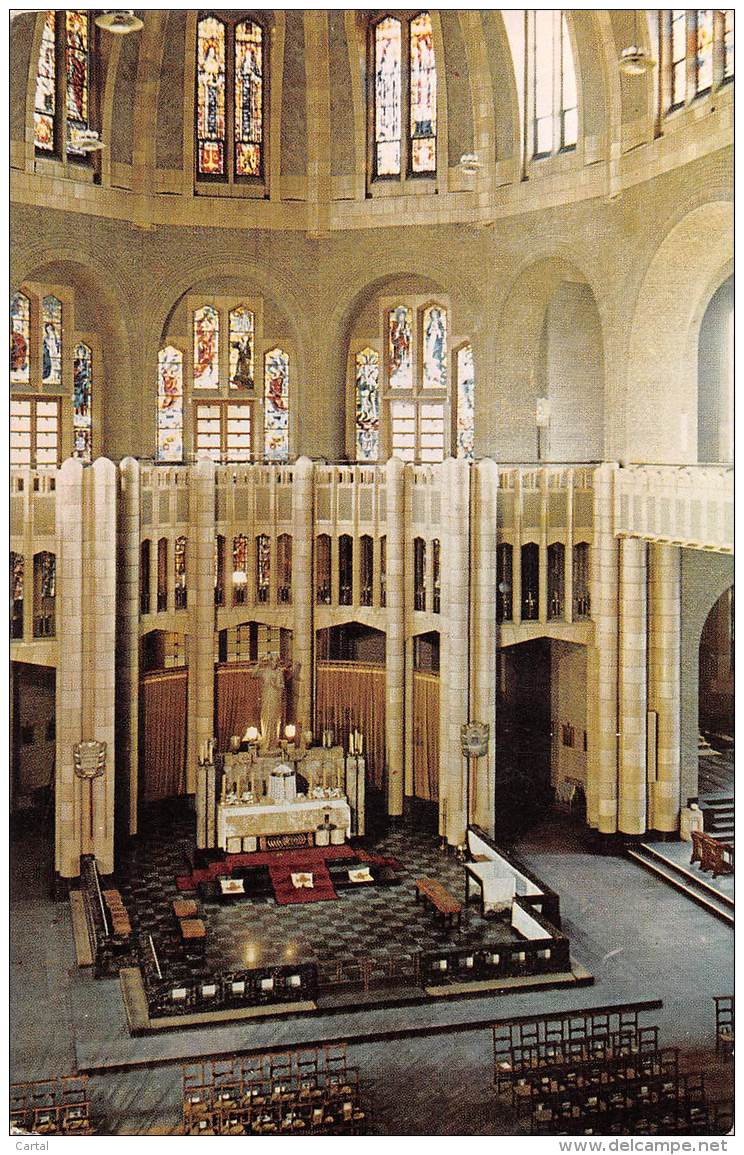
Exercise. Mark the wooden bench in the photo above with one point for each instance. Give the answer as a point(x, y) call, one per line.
point(185, 908)
point(193, 935)
point(440, 900)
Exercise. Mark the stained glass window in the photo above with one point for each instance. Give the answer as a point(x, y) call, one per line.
point(403, 423)
point(211, 97)
point(179, 558)
point(728, 43)
point(703, 49)
point(263, 567)
point(276, 405)
point(206, 348)
point(400, 357)
point(367, 405)
point(76, 74)
point(678, 55)
point(82, 411)
point(240, 569)
point(170, 404)
point(248, 99)
point(16, 595)
point(51, 349)
point(209, 431)
point(238, 432)
point(465, 403)
point(423, 99)
point(388, 117)
point(554, 93)
point(241, 348)
point(20, 339)
point(46, 78)
point(435, 348)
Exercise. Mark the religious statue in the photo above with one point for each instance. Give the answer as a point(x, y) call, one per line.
point(274, 676)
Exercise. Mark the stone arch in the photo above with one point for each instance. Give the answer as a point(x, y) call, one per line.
point(519, 350)
point(661, 389)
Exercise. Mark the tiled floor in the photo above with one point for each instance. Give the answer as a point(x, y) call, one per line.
point(381, 923)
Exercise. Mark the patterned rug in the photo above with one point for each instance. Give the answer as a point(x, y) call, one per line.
point(315, 872)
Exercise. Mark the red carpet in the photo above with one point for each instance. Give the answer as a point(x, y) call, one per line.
point(286, 892)
point(304, 859)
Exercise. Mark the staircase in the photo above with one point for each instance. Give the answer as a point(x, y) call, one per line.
point(688, 880)
point(718, 818)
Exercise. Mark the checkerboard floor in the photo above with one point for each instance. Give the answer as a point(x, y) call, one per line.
point(385, 924)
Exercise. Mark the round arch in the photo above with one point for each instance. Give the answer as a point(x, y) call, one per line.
point(661, 395)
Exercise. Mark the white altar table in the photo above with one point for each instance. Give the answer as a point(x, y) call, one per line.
point(262, 819)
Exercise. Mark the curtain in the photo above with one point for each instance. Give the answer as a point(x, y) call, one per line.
point(350, 696)
point(164, 696)
point(426, 735)
point(237, 701)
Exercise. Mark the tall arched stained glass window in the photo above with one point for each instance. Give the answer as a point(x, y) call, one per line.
point(697, 52)
point(423, 97)
point(465, 403)
point(170, 404)
point(210, 81)
point(435, 347)
point(551, 75)
point(20, 339)
point(388, 97)
point(82, 410)
point(51, 341)
point(276, 405)
point(45, 101)
point(367, 378)
point(206, 348)
point(400, 355)
point(76, 75)
point(703, 50)
point(248, 99)
point(241, 348)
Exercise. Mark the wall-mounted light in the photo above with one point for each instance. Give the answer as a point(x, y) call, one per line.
point(634, 61)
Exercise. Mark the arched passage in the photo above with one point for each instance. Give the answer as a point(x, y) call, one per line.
point(163, 715)
point(548, 397)
point(662, 385)
point(716, 377)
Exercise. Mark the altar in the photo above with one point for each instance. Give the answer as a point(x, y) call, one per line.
point(275, 801)
point(269, 825)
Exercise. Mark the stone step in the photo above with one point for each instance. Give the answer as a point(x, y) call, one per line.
point(694, 887)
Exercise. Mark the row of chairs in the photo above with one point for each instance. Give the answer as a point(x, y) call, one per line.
point(559, 1030)
point(713, 856)
point(59, 1106)
point(660, 1105)
point(311, 1091)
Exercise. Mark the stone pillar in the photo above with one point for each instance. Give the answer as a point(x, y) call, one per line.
point(200, 571)
point(127, 647)
point(455, 649)
point(396, 634)
point(632, 697)
point(664, 683)
point(302, 589)
point(68, 797)
point(485, 481)
point(601, 784)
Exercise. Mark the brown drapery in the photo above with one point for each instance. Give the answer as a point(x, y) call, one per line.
point(164, 697)
point(349, 696)
point(237, 701)
point(426, 735)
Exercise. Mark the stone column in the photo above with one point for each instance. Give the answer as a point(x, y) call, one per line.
point(455, 648)
point(664, 683)
point(632, 698)
point(601, 785)
point(200, 571)
point(396, 635)
point(302, 588)
point(70, 673)
point(127, 648)
point(485, 480)
point(100, 641)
